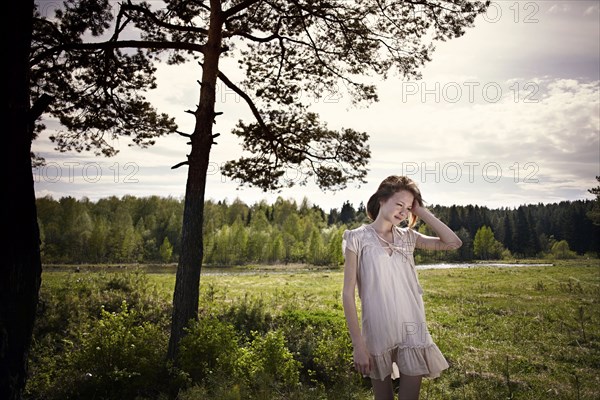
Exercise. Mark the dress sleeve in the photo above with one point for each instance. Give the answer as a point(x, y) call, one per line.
point(349, 241)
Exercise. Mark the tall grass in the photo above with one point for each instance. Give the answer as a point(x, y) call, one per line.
point(508, 333)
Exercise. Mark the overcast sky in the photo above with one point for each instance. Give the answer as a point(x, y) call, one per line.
point(506, 115)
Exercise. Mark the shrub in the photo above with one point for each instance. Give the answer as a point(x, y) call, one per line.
point(250, 315)
point(209, 350)
point(268, 364)
point(561, 251)
point(333, 359)
point(81, 311)
point(303, 330)
point(116, 356)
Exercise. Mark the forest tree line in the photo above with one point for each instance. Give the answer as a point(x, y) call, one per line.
point(148, 230)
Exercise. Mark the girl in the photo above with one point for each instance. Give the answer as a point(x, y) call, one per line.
point(394, 341)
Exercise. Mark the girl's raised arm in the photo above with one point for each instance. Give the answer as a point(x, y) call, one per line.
point(447, 239)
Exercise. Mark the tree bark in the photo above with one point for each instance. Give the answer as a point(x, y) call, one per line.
point(187, 281)
point(20, 276)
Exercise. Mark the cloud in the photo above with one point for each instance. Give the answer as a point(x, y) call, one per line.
point(553, 135)
point(505, 115)
point(503, 152)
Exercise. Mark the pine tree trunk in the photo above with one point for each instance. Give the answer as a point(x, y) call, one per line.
point(187, 283)
point(20, 276)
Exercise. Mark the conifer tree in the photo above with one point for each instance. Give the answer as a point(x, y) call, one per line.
point(594, 213)
point(348, 213)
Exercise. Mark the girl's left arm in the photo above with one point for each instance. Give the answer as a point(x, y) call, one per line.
point(446, 240)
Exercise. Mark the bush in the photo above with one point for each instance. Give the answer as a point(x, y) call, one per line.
point(333, 359)
point(561, 251)
point(304, 330)
point(104, 336)
point(115, 356)
point(83, 312)
point(267, 364)
point(250, 315)
point(321, 343)
point(209, 350)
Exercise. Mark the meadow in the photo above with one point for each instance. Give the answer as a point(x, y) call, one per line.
point(529, 332)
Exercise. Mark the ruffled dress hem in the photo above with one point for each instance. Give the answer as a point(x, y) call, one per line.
point(427, 362)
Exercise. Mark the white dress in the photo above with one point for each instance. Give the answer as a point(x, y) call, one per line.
point(392, 310)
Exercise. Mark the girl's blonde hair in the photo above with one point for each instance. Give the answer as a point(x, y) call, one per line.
point(390, 186)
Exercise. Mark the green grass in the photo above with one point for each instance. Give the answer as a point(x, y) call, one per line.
point(525, 332)
point(508, 333)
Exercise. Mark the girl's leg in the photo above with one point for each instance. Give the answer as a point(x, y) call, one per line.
point(383, 390)
point(409, 387)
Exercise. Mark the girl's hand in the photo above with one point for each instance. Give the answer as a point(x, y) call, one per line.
point(417, 209)
point(362, 360)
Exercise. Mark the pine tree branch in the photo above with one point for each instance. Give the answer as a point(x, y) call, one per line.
point(246, 98)
point(274, 141)
point(140, 44)
point(40, 106)
point(150, 15)
point(238, 7)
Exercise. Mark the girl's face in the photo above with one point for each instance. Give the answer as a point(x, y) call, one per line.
point(397, 208)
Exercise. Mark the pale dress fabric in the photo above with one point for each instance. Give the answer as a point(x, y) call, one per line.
point(392, 310)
